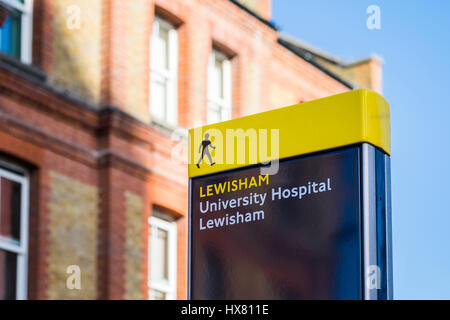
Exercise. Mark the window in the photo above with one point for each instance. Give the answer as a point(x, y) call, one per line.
point(163, 77)
point(13, 233)
point(219, 88)
point(16, 28)
point(162, 258)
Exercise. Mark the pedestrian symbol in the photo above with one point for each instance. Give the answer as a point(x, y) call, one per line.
point(205, 151)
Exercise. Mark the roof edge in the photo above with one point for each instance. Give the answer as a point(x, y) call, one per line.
point(302, 44)
point(328, 56)
point(329, 73)
point(254, 14)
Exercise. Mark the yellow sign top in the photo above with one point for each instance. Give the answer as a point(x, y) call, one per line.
point(344, 119)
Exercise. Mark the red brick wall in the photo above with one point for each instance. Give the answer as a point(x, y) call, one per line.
point(118, 149)
point(260, 65)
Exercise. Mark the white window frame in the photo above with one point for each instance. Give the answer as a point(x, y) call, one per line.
point(21, 249)
point(225, 107)
point(26, 37)
point(168, 75)
point(169, 287)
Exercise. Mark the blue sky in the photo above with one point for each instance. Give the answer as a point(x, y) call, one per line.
point(414, 42)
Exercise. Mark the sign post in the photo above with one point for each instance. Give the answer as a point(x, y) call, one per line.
point(293, 203)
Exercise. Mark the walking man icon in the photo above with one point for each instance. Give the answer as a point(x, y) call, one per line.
point(204, 150)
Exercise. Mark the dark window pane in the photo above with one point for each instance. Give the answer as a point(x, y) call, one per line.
point(16, 26)
point(8, 269)
point(9, 209)
point(10, 34)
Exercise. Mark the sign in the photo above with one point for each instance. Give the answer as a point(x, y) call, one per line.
point(317, 228)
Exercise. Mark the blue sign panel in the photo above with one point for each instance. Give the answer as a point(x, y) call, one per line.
point(292, 235)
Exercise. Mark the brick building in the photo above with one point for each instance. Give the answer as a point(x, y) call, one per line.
point(92, 94)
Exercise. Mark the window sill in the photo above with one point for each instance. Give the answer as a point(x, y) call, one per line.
point(169, 128)
point(19, 67)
